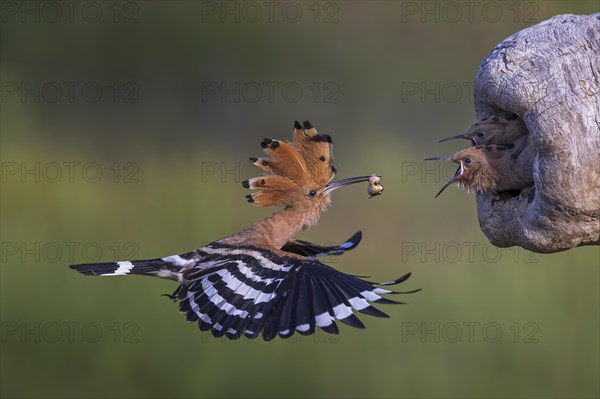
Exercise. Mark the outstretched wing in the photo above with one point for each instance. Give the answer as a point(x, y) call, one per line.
point(309, 249)
point(251, 292)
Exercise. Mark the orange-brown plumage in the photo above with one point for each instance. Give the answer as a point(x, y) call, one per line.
point(299, 178)
point(260, 281)
point(492, 167)
point(283, 159)
point(316, 149)
point(494, 130)
point(500, 158)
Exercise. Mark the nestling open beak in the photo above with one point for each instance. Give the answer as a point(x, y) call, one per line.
point(453, 178)
point(335, 184)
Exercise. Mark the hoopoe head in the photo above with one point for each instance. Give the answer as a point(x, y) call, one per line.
point(494, 130)
point(478, 166)
point(299, 174)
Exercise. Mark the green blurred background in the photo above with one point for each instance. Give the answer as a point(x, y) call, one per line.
point(124, 136)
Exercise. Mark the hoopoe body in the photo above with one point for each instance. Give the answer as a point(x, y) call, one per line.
point(491, 167)
point(262, 280)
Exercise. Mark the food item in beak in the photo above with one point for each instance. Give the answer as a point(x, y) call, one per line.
point(375, 188)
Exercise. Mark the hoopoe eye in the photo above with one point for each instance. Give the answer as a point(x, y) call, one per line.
point(312, 193)
point(467, 161)
point(479, 134)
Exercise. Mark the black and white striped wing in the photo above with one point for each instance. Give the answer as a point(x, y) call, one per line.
point(311, 250)
point(250, 291)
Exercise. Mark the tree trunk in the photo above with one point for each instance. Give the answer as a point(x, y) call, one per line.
point(549, 75)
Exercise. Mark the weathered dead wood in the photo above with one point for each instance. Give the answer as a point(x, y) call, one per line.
point(549, 75)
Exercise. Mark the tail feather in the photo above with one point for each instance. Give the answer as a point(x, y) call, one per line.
point(150, 267)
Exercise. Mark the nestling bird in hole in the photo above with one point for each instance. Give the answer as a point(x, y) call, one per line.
point(488, 168)
point(261, 280)
point(500, 158)
point(494, 130)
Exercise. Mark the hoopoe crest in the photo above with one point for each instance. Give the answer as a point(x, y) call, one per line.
point(261, 280)
point(298, 173)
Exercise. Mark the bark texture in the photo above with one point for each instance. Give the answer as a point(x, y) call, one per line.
point(549, 75)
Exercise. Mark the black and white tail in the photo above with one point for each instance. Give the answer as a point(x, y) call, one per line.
point(151, 267)
point(171, 266)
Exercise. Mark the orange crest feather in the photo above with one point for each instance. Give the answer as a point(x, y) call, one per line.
point(293, 168)
point(317, 152)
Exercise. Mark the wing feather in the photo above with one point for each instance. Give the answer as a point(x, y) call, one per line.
point(256, 292)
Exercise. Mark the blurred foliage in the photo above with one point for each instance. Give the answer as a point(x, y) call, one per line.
point(171, 164)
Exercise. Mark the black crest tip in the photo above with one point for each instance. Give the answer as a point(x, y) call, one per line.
point(265, 143)
point(252, 159)
point(297, 125)
point(324, 138)
point(246, 184)
point(307, 125)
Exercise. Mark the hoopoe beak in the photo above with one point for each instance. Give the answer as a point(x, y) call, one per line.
point(458, 136)
point(335, 184)
point(453, 178)
point(448, 158)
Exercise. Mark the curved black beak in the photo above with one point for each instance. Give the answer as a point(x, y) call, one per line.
point(449, 182)
point(335, 184)
point(448, 158)
point(458, 136)
point(453, 178)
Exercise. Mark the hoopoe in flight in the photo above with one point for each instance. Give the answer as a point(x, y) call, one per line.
point(261, 280)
